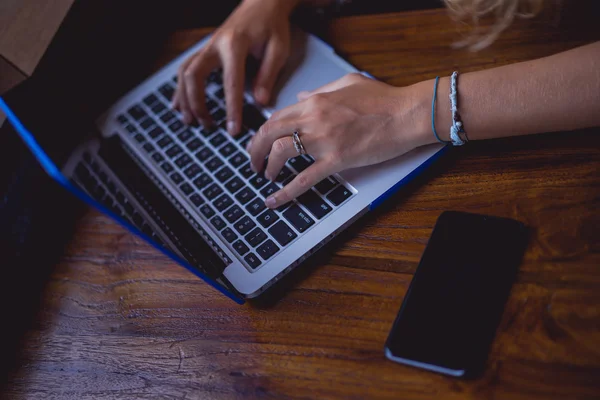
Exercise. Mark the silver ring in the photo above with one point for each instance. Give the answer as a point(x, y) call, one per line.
point(298, 143)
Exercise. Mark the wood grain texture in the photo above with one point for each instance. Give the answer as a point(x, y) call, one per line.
point(118, 320)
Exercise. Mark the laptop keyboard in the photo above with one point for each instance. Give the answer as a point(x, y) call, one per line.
point(212, 171)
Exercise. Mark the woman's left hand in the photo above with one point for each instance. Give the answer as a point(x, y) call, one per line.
point(352, 122)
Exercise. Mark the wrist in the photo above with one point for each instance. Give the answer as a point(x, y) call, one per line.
point(422, 97)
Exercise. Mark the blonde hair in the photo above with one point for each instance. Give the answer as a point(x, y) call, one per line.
point(501, 12)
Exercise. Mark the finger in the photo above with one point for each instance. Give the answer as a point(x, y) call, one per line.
point(300, 184)
point(179, 101)
point(275, 56)
point(344, 81)
point(233, 56)
point(283, 149)
point(261, 143)
point(195, 78)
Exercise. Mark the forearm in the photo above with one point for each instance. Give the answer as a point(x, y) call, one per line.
point(556, 93)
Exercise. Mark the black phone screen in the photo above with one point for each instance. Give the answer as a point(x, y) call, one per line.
point(455, 301)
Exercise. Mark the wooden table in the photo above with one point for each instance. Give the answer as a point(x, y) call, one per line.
point(118, 320)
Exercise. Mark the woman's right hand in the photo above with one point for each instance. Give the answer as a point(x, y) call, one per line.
point(257, 27)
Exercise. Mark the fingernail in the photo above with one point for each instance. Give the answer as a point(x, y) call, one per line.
point(231, 127)
point(253, 168)
point(187, 118)
point(262, 95)
point(268, 176)
point(249, 146)
point(271, 202)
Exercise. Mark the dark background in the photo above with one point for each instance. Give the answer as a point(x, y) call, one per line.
point(103, 48)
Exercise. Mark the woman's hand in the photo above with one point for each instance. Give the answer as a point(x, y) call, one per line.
point(352, 122)
point(257, 27)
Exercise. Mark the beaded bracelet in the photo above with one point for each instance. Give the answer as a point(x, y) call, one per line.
point(457, 127)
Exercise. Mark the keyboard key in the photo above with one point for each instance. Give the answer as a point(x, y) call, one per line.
point(158, 157)
point(245, 195)
point(156, 132)
point(246, 171)
point(192, 170)
point(158, 108)
point(267, 218)
point(269, 190)
point(233, 214)
point(218, 114)
point(238, 159)
point(218, 140)
point(315, 204)
point(256, 237)
point(244, 225)
point(197, 199)
point(229, 235)
point(214, 163)
point(208, 131)
point(130, 128)
point(175, 177)
point(283, 174)
point(220, 94)
point(256, 206)
point(122, 119)
point(298, 218)
point(164, 142)
point(223, 202)
point(212, 191)
point(147, 123)
point(166, 167)
point(174, 151)
point(204, 154)
point(282, 233)
point(244, 143)
point(185, 135)
point(167, 91)
point(207, 211)
point(168, 116)
point(252, 117)
point(228, 149)
point(175, 126)
point(234, 185)
point(194, 144)
point(218, 223)
point(211, 104)
point(299, 163)
point(258, 181)
point(137, 112)
point(224, 174)
point(183, 160)
point(267, 249)
point(202, 181)
point(326, 185)
point(252, 261)
point(139, 137)
point(339, 195)
point(150, 99)
point(186, 188)
point(240, 247)
point(149, 148)
point(242, 135)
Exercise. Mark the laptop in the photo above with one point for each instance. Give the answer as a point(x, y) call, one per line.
point(189, 190)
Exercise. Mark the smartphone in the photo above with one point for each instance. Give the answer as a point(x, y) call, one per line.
point(449, 316)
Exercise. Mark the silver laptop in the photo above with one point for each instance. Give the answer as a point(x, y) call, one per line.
point(190, 190)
